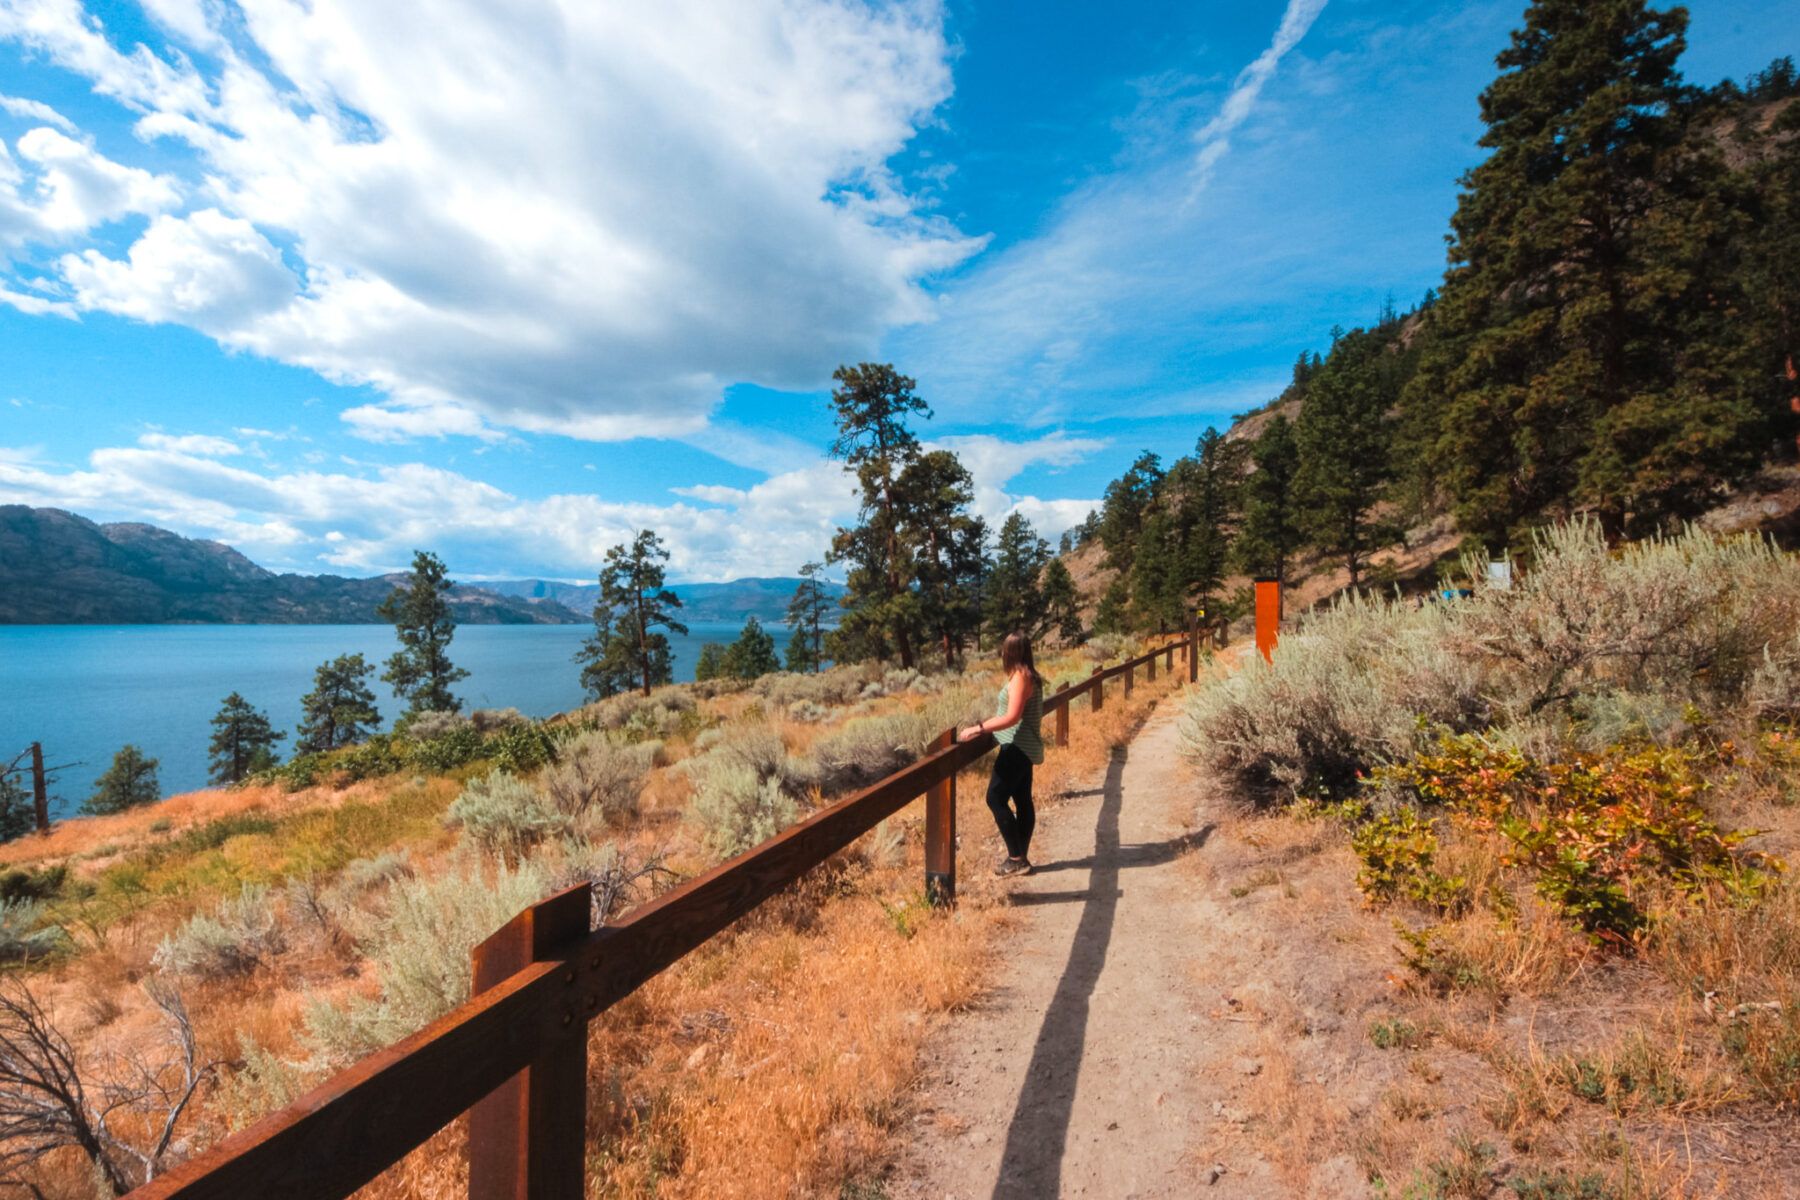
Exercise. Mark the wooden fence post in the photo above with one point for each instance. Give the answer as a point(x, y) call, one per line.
point(1193, 656)
point(1098, 690)
point(40, 796)
point(1130, 670)
point(940, 832)
point(1062, 718)
point(1169, 659)
point(528, 1137)
point(1150, 668)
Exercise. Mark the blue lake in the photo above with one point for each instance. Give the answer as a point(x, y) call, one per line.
point(85, 690)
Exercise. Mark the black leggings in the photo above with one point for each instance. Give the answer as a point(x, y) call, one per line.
point(1011, 780)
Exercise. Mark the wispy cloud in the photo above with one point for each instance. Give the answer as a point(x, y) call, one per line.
point(1093, 306)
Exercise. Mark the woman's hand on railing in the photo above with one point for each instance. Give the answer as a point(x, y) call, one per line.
point(970, 734)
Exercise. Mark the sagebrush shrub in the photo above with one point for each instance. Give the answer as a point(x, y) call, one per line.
point(504, 814)
point(1343, 695)
point(738, 808)
point(434, 723)
point(241, 934)
point(420, 952)
point(869, 749)
point(598, 778)
point(487, 720)
point(23, 934)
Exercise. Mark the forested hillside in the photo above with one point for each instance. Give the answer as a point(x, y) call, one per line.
point(1615, 335)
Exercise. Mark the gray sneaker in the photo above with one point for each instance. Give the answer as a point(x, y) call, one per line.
point(1013, 866)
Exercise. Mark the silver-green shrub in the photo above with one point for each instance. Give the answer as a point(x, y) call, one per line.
point(1588, 647)
point(486, 720)
point(241, 934)
point(23, 933)
point(738, 808)
point(419, 952)
point(433, 724)
point(869, 749)
point(505, 815)
point(596, 778)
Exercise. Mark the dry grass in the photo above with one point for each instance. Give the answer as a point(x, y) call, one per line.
point(775, 1061)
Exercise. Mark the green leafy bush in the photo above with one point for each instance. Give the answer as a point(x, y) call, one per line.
point(1397, 849)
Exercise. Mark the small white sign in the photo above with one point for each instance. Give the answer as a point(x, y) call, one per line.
point(1500, 573)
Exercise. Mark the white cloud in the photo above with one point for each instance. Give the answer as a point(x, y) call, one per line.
point(208, 270)
point(199, 444)
point(58, 189)
point(365, 519)
point(555, 216)
point(34, 110)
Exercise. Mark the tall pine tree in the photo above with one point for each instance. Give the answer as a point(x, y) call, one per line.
point(421, 672)
point(1270, 534)
point(1344, 438)
point(626, 648)
point(806, 616)
point(1014, 600)
point(872, 404)
point(1564, 364)
point(340, 709)
point(243, 741)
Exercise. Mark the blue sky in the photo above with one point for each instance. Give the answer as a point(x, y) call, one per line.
point(330, 281)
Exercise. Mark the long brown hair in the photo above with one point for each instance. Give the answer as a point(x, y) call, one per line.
point(1015, 652)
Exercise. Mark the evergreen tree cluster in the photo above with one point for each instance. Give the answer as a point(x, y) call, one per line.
point(1616, 334)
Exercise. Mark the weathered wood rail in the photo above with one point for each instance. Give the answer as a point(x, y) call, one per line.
point(514, 1056)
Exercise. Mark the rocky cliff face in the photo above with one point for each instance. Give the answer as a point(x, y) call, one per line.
point(57, 568)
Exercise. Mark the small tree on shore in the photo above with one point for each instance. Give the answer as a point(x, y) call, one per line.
point(18, 814)
point(711, 664)
point(625, 649)
point(243, 741)
point(753, 654)
point(130, 782)
point(806, 614)
point(340, 709)
point(420, 671)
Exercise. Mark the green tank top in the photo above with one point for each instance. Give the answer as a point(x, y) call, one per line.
point(1027, 735)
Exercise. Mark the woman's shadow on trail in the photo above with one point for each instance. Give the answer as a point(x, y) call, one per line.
point(1031, 1165)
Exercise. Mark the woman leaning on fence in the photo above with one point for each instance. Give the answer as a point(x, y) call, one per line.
point(1016, 726)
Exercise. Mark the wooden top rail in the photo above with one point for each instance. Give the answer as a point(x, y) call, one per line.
point(348, 1130)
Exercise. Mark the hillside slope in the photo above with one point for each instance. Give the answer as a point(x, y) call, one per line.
point(57, 568)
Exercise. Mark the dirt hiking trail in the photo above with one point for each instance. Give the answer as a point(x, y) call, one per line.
point(1136, 1041)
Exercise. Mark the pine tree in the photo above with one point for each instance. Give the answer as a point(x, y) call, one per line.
point(242, 743)
point(128, 783)
point(806, 616)
point(1570, 361)
point(18, 812)
point(1062, 604)
point(753, 654)
point(711, 663)
point(1343, 436)
point(872, 405)
point(625, 649)
point(1129, 501)
point(1270, 534)
point(1157, 588)
point(1114, 613)
point(420, 672)
point(1014, 600)
point(1206, 508)
point(933, 496)
point(340, 709)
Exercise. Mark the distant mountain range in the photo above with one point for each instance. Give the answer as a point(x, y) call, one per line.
point(60, 569)
point(57, 568)
point(765, 599)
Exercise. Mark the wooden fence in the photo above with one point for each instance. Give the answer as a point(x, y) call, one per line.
point(514, 1056)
